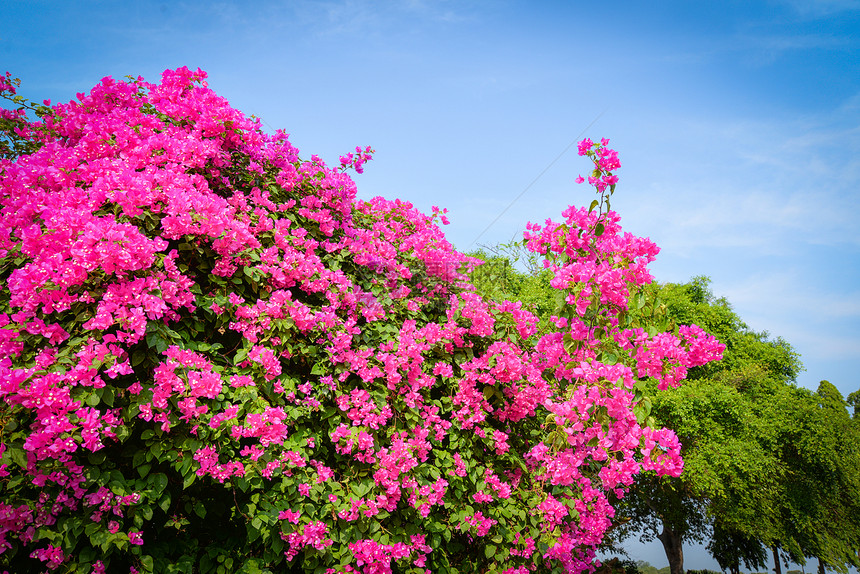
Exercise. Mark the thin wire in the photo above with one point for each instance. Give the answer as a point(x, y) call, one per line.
point(558, 157)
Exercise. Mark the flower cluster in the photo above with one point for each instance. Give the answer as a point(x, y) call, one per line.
point(356, 160)
point(605, 162)
point(200, 332)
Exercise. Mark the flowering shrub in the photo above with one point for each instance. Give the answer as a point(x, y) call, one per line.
point(214, 358)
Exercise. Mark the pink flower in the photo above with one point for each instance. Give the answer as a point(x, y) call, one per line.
point(289, 515)
point(481, 496)
point(585, 146)
point(135, 538)
point(53, 555)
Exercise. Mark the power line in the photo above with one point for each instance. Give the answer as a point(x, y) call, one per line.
point(558, 157)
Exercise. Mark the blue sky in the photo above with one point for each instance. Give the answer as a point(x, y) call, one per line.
point(737, 122)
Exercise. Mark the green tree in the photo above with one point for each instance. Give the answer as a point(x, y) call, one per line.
point(728, 418)
point(820, 491)
point(830, 399)
point(853, 400)
point(727, 476)
point(722, 416)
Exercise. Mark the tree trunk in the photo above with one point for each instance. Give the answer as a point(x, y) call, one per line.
point(777, 567)
point(820, 566)
point(672, 544)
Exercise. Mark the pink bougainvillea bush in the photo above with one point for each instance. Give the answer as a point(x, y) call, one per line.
point(215, 358)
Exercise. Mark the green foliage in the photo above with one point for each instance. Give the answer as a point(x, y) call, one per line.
point(645, 567)
point(764, 458)
point(853, 399)
point(694, 303)
point(619, 566)
point(830, 399)
point(819, 499)
point(766, 463)
point(509, 272)
point(16, 131)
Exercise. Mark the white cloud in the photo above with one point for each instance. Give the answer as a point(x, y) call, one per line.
point(766, 185)
point(822, 323)
point(788, 293)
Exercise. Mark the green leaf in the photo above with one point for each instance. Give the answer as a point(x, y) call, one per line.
point(137, 357)
point(489, 390)
point(17, 455)
point(646, 405)
point(188, 480)
point(159, 483)
point(96, 458)
point(320, 369)
point(146, 512)
point(363, 487)
point(206, 564)
point(599, 229)
point(164, 503)
point(156, 449)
